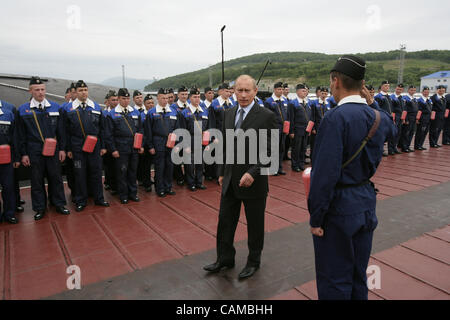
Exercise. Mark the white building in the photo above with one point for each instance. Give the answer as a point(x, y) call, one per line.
point(435, 79)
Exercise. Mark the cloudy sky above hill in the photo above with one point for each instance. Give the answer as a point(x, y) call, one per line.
point(92, 39)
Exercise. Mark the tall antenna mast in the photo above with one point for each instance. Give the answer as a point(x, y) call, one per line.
point(402, 63)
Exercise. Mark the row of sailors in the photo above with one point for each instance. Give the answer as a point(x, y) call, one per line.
point(42, 134)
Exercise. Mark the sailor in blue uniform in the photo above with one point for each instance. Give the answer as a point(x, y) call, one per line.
point(288, 143)
point(412, 108)
point(279, 106)
point(316, 117)
point(221, 103)
point(210, 169)
point(322, 102)
point(300, 114)
point(439, 105)
point(196, 120)
point(369, 94)
point(8, 136)
point(161, 121)
point(19, 202)
point(40, 119)
point(286, 91)
point(122, 124)
point(83, 118)
point(342, 199)
point(144, 162)
point(108, 161)
point(384, 101)
point(423, 124)
point(398, 106)
point(180, 106)
point(446, 134)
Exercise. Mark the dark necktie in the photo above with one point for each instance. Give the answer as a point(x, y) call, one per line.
point(240, 120)
point(184, 105)
point(40, 107)
point(83, 105)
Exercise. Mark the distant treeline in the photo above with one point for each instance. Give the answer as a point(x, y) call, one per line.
point(312, 68)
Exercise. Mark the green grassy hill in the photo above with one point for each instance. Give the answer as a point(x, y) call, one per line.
point(312, 68)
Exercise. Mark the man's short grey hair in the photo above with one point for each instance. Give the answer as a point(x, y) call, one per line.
point(246, 77)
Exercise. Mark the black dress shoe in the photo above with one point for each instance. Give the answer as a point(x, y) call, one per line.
point(409, 150)
point(282, 173)
point(192, 188)
point(439, 146)
point(398, 152)
point(124, 201)
point(148, 189)
point(423, 149)
point(218, 266)
point(276, 174)
point(171, 192)
point(180, 183)
point(201, 187)
point(22, 201)
point(12, 220)
point(385, 154)
point(391, 153)
point(114, 192)
point(39, 215)
point(80, 208)
point(102, 204)
point(20, 209)
point(161, 194)
point(247, 272)
point(446, 144)
point(209, 178)
point(433, 146)
point(62, 210)
point(107, 187)
point(296, 170)
point(135, 199)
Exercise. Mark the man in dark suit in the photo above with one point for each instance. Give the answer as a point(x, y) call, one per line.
point(247, 182)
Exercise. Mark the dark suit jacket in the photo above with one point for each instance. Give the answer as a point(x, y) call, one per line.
point(258, 118)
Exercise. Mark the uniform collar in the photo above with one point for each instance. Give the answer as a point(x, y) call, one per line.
point(35, 104)
point(352, 99)
point(119, 109)
point(193, 109)
point(439, 96)
point(322, 101)
point(1, 111)
point(77, 103)
point(140, 108)
point(411, 97)
point(160, 109)
point(300, 100)
point(207, 103)
point(0, 103)
point(425, 98)
point(222, 101)
point(275, 98)
point(180, 104)
point(384, 93)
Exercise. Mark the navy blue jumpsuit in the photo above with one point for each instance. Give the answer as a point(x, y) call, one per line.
point(342, 201)
point(87, 166)
point(119, 136)
point(31, 144)
point(8, 136)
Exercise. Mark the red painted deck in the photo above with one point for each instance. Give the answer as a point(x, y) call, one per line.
point(415, 270)
point(107, 242)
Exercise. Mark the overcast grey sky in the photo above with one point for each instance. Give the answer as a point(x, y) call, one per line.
point(91, 39)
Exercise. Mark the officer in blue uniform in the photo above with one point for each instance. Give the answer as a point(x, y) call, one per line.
point(83, 117)
point(8, 136)
point(369, 94)
point(108, 160)
point(279, 106)
point(412, 108)
point(439, 105)
point(40, 119)
point(161, 121)
point(446, 134)
point(180, 106)
point(342, 199)
point(144, 162)
point(300, 115)
point(423, 124)
point(122, 124)
point(322, 102)
point(384, 101)
point(196, 120)
point(398, 106)
point(19, 202)
point(210, 169)
point(316, 117)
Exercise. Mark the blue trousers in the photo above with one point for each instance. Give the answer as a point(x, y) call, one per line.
point(163, 170)
point(126, 171)
point(8, 191)
point(342, 256)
